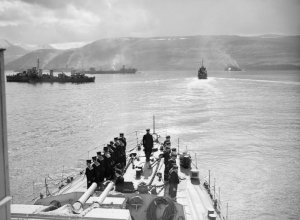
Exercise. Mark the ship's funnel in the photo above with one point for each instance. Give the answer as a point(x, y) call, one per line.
point(77, 206)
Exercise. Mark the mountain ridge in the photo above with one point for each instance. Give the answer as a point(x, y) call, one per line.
point(173, 53)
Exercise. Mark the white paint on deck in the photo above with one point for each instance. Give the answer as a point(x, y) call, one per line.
point(192, 196)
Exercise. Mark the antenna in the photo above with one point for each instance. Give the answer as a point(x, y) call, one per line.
point(153, 124)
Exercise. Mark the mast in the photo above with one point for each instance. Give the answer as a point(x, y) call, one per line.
point(4, 178)
point(38, 65)
point(153, 124)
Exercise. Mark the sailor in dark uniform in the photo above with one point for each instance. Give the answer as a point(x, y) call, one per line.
point(119, 177)
point(173, 182)
point(108, 164)
point(123, 139)
point(166, 155)
point(168, 167)
point(148, 144)
point(99, 171)
point(174, 153)
point(112, 154)
point(118, 150)
point(99, 157)
point(90, 173)
point(167, 142)
point(122, 153)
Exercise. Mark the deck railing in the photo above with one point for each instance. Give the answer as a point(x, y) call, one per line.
point(52, 185)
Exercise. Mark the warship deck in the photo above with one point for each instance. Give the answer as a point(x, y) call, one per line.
point(193, 201)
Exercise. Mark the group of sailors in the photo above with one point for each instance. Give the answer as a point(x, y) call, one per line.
point(171, 168)
point(109, 164)
point(169, 155)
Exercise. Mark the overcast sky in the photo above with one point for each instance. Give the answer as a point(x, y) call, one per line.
point(60, 21)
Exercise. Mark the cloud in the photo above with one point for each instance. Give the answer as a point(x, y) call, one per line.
point(59, 21)
point(51, 4)
point(69, 45)
point(55, 21)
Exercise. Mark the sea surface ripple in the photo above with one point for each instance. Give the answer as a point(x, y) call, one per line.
point(243, 126)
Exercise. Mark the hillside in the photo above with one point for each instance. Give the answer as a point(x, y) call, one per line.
point(29, 60)
point(174, 53)
point(12, 52)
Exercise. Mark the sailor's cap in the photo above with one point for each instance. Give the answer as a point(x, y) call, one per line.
point(148, 129)
point(121, 134)
point(105, 148)
point(93, 158)
point(168, 136)
point(99, 153)
point(111, 142)
point(173, 149)
point(116, 138)
point(88, 161)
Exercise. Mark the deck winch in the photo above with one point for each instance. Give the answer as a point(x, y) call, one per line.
point(195, 174)
point(185, 160)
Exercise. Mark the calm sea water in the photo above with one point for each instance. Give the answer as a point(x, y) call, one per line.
point(243, 126)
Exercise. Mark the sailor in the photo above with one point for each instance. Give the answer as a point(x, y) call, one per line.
point(166, 155)
point(173, 182)
point(112, 154)
point(90, 173)
point(118, 167)
point(99, 171)
point(100, 158)
point(167, 142)
point(148, 144)
point(173, 153)
point(108, 164)
point(122, 152)
point(118, 150)
point(123, 139)
point(168, 167)
point(119, 177)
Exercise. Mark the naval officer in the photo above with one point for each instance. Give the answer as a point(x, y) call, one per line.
point(148, 144)
point(90, 173)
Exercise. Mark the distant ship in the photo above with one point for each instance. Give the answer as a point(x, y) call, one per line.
point(232, 68)
point(35, 75)
point(202, 72)
point(123, 70)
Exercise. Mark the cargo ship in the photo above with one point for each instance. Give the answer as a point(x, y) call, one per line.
point(35, 75)
point(202, 72)
point(232, 68)
point(122, 70)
